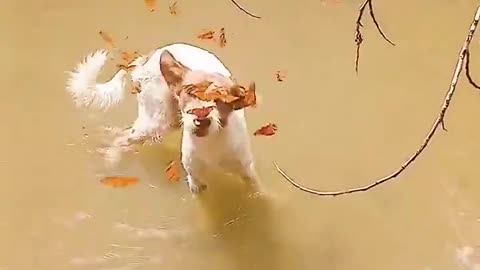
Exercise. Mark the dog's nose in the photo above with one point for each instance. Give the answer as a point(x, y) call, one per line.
point(202, 122)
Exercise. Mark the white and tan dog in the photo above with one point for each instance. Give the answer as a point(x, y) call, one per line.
point(220, 140)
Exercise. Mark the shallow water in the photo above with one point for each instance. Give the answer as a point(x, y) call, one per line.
point(336, 130)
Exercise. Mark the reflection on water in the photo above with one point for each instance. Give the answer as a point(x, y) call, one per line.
point(336, 130)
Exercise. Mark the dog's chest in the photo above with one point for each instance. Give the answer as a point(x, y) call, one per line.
point(216, 152)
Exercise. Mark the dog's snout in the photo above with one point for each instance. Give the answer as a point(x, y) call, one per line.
point(202, 122)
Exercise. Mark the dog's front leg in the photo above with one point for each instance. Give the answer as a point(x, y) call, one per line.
point(248, 172)
point(129, 137)
point(123, 142)
point(192, 169)
point(191, 165)
point(247, 168)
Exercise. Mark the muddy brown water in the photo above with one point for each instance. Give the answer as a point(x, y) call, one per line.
point(336, 130)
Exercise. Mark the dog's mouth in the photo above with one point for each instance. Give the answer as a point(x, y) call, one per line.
point(201, 127)
point(200, 132)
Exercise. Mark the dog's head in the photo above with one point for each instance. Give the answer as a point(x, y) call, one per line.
point(199, 117)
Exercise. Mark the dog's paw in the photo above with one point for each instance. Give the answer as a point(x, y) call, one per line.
point(196, 188)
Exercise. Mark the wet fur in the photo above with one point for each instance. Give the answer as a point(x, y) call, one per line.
point(163, 106)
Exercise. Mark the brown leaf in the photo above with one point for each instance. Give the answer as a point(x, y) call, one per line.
point(248, 100)
point(227, 98)
point(119, 181)
point(173, 8)
point(267, 130)
point(218, 94)
point(173, 171)
point(199, 87)
point(151, 5)
point(129, 57)
point(126, 68)
point(280, 76)
point(108, 39)
point(236, 97)
point(206, 35)
point(222, 38)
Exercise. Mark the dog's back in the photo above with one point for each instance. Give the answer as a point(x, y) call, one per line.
point(191, 56)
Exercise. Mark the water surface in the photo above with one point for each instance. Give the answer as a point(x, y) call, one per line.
point(336, 130)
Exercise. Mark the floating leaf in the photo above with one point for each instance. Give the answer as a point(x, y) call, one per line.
point(226, 97)
point(216, 94)
point(237, 97)
point(108, 39)
point(249, 99)
point(267, 130)
point(119, 181)
point(206, 35)
point(151, 5)
point(173, 8)
point(127, 68)
point(199, 87)
point(129, 57)
point(173, 171)
point(222, 38)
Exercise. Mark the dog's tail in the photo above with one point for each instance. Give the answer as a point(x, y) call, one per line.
point(86, 91)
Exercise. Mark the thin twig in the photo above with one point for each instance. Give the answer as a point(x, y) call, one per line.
point(436, 124)
point(358, 33)
point(244, 10)
point(467, 70)
point(443, 125)
point(372, 14)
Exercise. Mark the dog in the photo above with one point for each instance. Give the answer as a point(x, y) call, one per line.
point(217, 140)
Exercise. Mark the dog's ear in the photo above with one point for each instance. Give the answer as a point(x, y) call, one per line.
point(172, 70)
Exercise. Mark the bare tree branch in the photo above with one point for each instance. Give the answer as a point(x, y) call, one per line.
point(372, 14)
point(438, 121)
point(467, 70)
point(358, 33)
point(244, 10)
point(443, 125)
